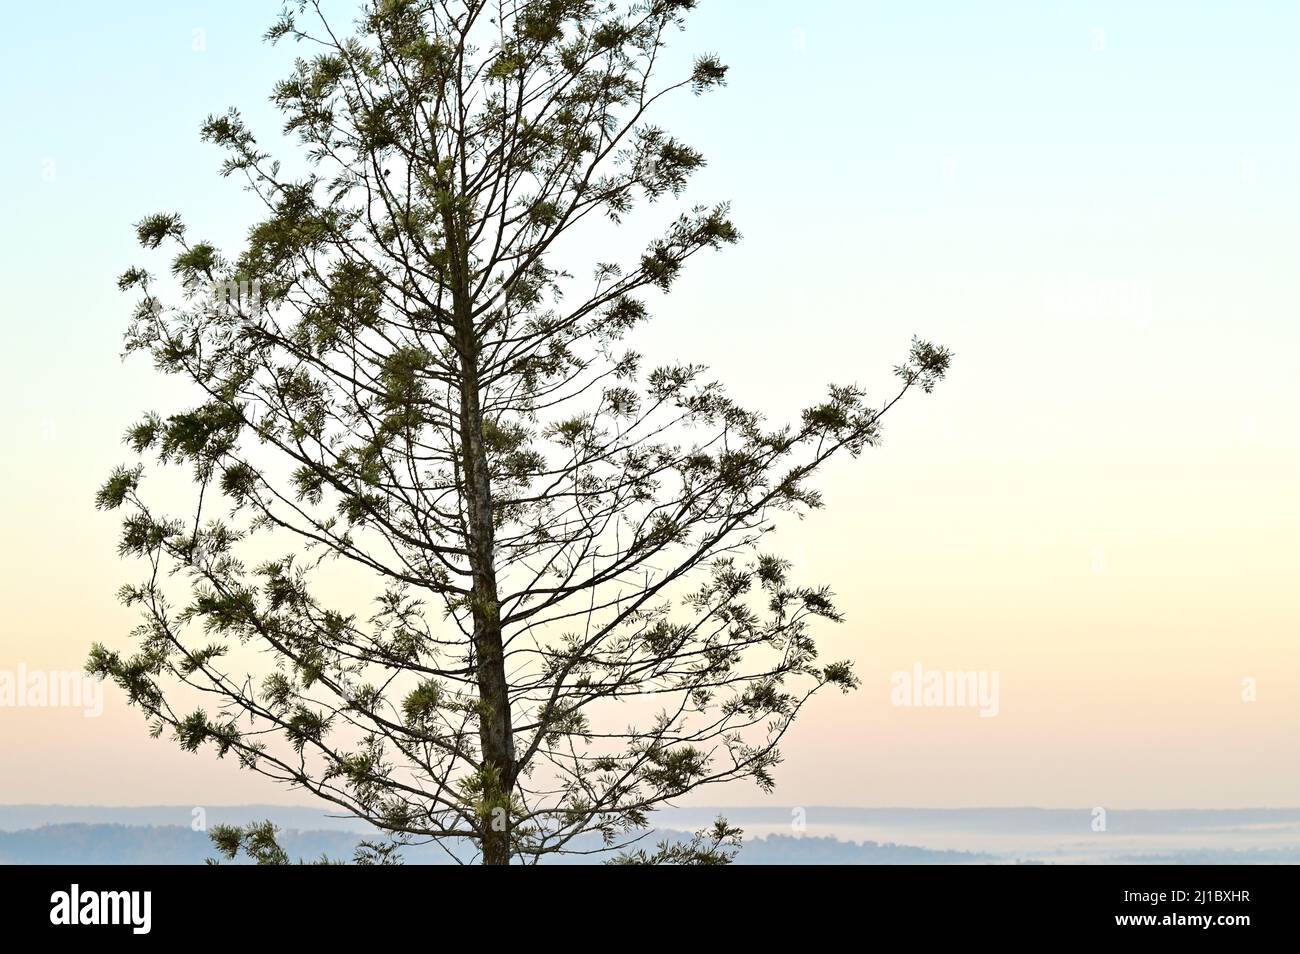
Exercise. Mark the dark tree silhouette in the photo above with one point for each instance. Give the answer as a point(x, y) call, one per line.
point(572, 619)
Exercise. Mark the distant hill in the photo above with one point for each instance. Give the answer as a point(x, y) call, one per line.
point(36, 834)
point(1064, 821)
point(18, 817)
point(994, 820)
point(79, 843)
point(141, 844)
point(809, 850)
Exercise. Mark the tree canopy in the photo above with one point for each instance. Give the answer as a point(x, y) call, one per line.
point(573, 613)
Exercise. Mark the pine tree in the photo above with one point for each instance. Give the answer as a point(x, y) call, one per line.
point(573, 617)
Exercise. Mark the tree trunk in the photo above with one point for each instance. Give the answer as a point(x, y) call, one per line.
point(495, 732)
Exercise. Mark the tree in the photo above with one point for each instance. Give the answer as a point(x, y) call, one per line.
point(572, 620)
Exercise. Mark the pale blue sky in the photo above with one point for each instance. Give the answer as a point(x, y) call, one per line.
point(1096, 205)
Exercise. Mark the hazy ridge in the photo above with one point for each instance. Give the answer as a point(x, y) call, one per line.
point(88, 834)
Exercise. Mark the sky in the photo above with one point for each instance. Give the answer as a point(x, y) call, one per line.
point(1096, 206)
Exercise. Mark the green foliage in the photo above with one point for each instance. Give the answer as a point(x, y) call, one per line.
point(416, 389)
point(711, 846)
point(421, 705)
point(113, 493)
point(708, 73)
point(152, 230)
point(926, 366)
point(258, 841)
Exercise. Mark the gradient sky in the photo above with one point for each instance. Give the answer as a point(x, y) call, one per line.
point(1095, 205)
